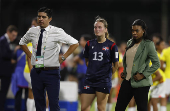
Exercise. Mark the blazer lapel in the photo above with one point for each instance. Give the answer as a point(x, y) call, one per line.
point(140, 49)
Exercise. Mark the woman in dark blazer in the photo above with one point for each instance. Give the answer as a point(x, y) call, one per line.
point(137, 73)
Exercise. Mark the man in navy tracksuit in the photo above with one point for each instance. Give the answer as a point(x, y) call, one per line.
point(6, 67)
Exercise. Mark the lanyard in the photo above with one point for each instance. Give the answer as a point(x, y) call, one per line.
point(45, 42)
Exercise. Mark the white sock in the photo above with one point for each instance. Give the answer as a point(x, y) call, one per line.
point(96, 106)
point(34, 108)
point(108, 106)
point(30, 104)
point(47, 109)
point(132, 109)
point(158, 105)
point(163, 108)
point(151, 108)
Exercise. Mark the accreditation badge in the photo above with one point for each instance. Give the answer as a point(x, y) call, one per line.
point(39, 62)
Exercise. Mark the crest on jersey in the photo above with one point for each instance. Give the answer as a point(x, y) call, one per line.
point(105, 48)
point(86, 87)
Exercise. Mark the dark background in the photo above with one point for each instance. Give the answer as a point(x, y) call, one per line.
point(77, 17)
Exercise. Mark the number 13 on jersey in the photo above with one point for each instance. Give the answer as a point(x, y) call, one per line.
point(98, 56)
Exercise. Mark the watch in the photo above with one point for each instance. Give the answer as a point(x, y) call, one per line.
point(63, 58)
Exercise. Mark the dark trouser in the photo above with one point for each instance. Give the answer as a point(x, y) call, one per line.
point(127, 92)
point(18, 99)
point(49, 80)
point(4, 86)
point(81, 79)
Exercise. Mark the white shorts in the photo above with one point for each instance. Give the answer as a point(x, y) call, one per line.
point(158, 91)
point(167, 82)
point(114, 82)
point(28, 79)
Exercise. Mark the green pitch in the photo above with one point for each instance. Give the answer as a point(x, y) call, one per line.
point(114, 104)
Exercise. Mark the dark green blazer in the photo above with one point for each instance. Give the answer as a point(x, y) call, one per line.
point(145, 52)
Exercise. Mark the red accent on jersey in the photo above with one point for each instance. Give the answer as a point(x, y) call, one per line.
point(88, 43)
point(113, 45)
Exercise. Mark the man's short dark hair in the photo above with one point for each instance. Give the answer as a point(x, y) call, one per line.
point(12, 28)
point(86, 37)
point(35, 19)
point(157, 35)
point(47, 11)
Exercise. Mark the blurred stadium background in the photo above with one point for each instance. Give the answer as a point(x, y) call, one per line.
point(77, 17)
